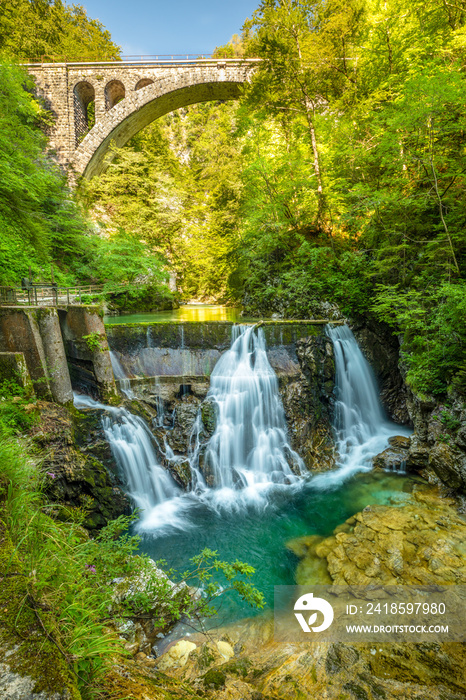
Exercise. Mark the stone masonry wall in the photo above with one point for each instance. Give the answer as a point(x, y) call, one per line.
point(150, 91)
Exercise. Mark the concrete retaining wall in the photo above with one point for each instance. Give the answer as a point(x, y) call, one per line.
point(56, 346)
point(193, 348)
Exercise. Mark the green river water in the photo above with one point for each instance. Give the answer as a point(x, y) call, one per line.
point(186, 313)
point(259, 536)
point(253, 533)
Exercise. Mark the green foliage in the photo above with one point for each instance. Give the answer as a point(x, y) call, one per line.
point(39, 222)
point(450, 422)
point(70, 575)
point(432, 322)
point(93, 341)
point(17, 412)
point(148, 297)
point(176, 187)
point(372, 95)
point(35, 30)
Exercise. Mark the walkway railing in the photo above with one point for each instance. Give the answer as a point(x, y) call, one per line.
point(154, 60)
point(50, 295)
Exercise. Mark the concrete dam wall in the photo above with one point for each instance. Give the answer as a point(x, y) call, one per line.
point(192, 349)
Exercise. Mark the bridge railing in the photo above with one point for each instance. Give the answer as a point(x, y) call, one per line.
point(161, 59)
point(50, 295)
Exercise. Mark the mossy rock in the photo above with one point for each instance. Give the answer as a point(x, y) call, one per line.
point(215, 679)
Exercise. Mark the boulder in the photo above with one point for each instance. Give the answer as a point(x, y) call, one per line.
point(449, 463)
point(180, 469)
point(177, 656)
point(399, 442)
point(394, 458)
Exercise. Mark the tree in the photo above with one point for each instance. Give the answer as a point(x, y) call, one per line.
point(51, 30)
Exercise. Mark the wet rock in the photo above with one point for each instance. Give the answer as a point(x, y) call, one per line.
point(185, 415)
point(180, 469)
point(416, 543)
point(449, 463)
point(307, 401)
point(75, 477)
point(267, 670)
point(394, 458)
point(399, 442)
point(418, 455)
point(209, 413)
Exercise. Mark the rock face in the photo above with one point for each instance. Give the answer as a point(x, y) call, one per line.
point(307, 400)
point(438, 446)
point(449, 463)
point(77, 462)
point(395, 457)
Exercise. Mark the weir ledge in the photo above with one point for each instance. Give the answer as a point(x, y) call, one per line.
point(150, 352)
point(68, 348)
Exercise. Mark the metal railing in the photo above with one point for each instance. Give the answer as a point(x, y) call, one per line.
point(50, 295)
point(157, 59)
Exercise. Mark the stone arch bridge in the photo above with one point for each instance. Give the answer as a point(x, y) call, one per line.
point(95, 104)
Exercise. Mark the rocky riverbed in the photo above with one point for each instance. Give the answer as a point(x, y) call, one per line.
point(419, 541)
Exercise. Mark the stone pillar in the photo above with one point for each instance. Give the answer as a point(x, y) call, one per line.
point(99, 101)
point(35, 332)
point(87, 349)
point(54, 353)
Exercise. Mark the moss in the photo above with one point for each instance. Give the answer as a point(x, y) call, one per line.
point(130, 681)
point(356, 690)
point(236, 667)
point(44, 311)
point(214, 679)
point(80, 478)
point(205, 657)
point(31, 653)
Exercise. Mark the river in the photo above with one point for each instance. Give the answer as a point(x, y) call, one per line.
point(259, 496)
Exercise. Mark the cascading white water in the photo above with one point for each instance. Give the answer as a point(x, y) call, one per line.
point(120, 376)
point(361, 427)
point(250, 445)
point(248, 453)
point(131, 442)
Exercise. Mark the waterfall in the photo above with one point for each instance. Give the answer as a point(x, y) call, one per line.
point(131, 442)
point(250, 445)
point(248, 454)
point(120, 376)
point(360, 425)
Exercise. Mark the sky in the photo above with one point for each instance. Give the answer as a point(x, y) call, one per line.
point(146, 27)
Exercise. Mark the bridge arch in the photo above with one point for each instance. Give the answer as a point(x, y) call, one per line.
point(143, 105)
point(144, 82)
point(83, 99)
point(95, 104)
point(114, 92)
